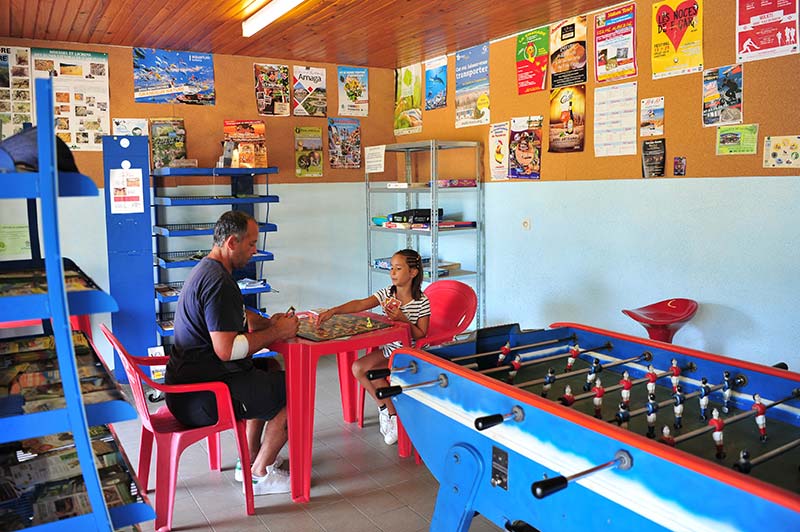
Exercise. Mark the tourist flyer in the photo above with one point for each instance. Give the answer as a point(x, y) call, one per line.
point(310, 92)
point(167, 76)
point(722, 96)
point(353, 91)
point(737, 140)
point(654, 155)
point(344, 142)
point(567, 119)
point(615, 44)
point(525, 148)
point(436, 83)
point(568, 52)
point(782, 152)
point(651, 117)
point(764, 29)
point(80, 84)
point(272, 89)
point(472, 86)
point(167, 141)
point(408, 100)
point(249, 137)
point(308, 151)
point(531, 59)
point(615, 119)
point(136, 127)
point(677, 38)
point(16, 90)
point(498, 146)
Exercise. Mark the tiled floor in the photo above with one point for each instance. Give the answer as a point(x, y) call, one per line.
point(358, 484)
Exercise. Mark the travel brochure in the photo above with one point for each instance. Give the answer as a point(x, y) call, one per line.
point(310, 96)
point(167, 141)
point(344, 142)
point(308, 151)
point(353, 83)
point(472, 86)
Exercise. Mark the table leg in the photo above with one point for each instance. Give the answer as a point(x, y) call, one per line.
point(348, 384)
point(403, 441)
point(301, 392)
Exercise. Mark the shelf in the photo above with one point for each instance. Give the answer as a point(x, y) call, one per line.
point(377, 189)
point(441, 230)
point(189, 259)
point(451, 274)
point(200, 172)
point(24, 185)
point(428, 145)
point(165, 323)
point(183, 201)
point(170, 292)
point(200, 229)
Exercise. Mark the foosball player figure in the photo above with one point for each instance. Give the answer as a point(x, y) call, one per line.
point(652, 409)
point(678, 407)
point(567, 399)
point(504, 352)
point(652, 377)
point(705, 391)
point(594, 371)
point(515, 365)
point(597, 400)
point(761, 417)
point(574, 351)
point(666, 437)
point(718, 425)
point(726, 391)
point(623, 415)
point(549, 379)
point(743, 463)
point(676, 373)
point(626, 384)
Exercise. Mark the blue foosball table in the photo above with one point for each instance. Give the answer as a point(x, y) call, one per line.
point(578, 428)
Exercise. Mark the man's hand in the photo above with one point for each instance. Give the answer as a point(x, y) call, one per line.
point(284, 327)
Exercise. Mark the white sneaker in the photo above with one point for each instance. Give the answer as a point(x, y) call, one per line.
point(383, 418)
point(390, 436)
point(275, 481)
point(238, 476)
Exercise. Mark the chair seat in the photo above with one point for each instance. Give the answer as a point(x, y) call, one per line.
point(163, 422)
point(663, 319)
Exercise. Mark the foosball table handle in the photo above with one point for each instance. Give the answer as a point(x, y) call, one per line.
point(548, 486)
point(388, 391)
point(375, 374)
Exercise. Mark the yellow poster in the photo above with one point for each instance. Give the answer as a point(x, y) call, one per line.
point(677, 39)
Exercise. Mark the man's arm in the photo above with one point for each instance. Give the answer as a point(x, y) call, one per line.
point(277, 328)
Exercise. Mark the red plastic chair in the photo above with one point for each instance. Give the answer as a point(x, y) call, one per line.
point(663, 319)
point(172, 437)
point(453, 307)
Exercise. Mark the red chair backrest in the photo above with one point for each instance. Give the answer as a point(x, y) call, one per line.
point(453, 307)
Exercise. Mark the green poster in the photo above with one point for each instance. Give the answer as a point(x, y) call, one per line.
point(737, 140)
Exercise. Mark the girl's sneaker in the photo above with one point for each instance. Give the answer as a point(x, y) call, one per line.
point(238, 476)
point(390, 436)
point(275, 481)
point(383, 419)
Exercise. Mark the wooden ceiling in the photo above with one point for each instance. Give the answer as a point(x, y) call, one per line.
point(376, 33)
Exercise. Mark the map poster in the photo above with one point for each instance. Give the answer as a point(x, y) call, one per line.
point(436, 83)
point(677, 38)
point(344, 142)
point(568, 52)
point(472, 86)
point(531, 59)
point(722, 95)
point(16, 90)
point(764, 29)
point(310, 92)
point(80, 84)
point(168, 76)
point(353, 91)
point(308, 151)
point(615, 43)
point(408, 100)
point(272, 89)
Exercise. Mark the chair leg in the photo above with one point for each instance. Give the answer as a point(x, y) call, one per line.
point(214, 452)
point(145, 455)
point(362, 392)
point(244, 455)
point(168, 454)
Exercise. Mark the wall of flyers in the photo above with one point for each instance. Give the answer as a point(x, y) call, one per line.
point(16, 89)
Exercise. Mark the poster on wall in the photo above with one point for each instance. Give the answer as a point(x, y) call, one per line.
point(344, 142)
point(615, 44)
point(677, 38)
point(353, 91)
point(168, 76)
point(654, 157)
point(127, 190)
point(651, 117)
point(408, 100)
point(525, 148)
point(310, 92)
point(764, 29)
point(567, 119)
point(615, 120)
point(16, 90)
point(568, 52)
point(722, 95)
point(167, 141)
point(80, 84)
point(498, 148)
point(249, 138)
point(436, 83)
point(737, 140)
point(136, 127)
point(472, 86)
point(531, 59)
point(308, 151)
point(782, 151)
point(272, 89)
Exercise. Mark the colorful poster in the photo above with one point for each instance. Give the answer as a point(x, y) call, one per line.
point(408, 100)
point(615, 44)
point(127, 190)
point(272, 89)
point(532, 57)
point(568, 52)
point(737, 140)
point(722, 95)
point(167, 141)
point(80, 84)
point(129, 126)
point(654, 156)
point(525, 148)
point(16, 90)
point(436, 83)
point(308, 151)
point(344, 142)
point(782, 152)
point(679, 166)
point(310, 92)
point(567, 119)
point(167, 76)
point(498, 147)
point(249, 139)
point(353, 91)
point(677, 39)
point(651, 117)
point(615, 120)
point(472, 86)
point(764, 29)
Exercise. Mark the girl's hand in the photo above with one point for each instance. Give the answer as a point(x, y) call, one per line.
point(394, 313)
point(322, 317)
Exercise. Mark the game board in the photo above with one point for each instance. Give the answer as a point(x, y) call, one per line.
point(340, 326)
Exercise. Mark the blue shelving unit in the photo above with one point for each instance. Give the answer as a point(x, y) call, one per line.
point(55, 305)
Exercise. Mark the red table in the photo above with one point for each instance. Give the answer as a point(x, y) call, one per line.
point(300, 358)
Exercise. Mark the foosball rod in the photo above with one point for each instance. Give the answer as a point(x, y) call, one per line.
point(647, 356)
point(382, 373)
point(745, 465)
point(508, 367)
point(515, 348)
point(688, 369)
point(391, 391)
point(541, 489)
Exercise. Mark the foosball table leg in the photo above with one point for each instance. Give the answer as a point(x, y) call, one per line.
point(455, 502)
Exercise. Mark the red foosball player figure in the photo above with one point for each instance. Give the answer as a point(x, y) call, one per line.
point(678, 407)
point(567, 399)
point(623, 415)
point(504, 352)
point(761, 417)
point(515, 365)
point(597, 400)
point(549, 379)
point(652, 377)
point(574, 351)
point(666, 437)
point(626, 384)
point(676, 373)
point(705, 391)
point(652, 410)
point(594, 371)
point(718, 425)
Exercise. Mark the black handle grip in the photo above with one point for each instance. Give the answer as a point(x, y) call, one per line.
point(546, 487)
point(520, 526)
point(781, 365)
point(375, 374)
point(483, 423)
point(388, 391)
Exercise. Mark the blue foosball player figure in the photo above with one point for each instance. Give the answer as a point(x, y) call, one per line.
point(652, 410)
point(678, 408)
point(705, 391)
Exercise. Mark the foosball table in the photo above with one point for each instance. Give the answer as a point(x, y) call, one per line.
point(573, 426)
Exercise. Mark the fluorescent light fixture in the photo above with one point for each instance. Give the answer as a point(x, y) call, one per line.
point(267, 15)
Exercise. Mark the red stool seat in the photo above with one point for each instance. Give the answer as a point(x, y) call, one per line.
point(663, 319)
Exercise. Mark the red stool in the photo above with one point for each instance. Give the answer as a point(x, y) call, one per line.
point(663, 319)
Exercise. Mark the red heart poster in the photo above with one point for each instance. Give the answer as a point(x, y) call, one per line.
point(677, 38)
